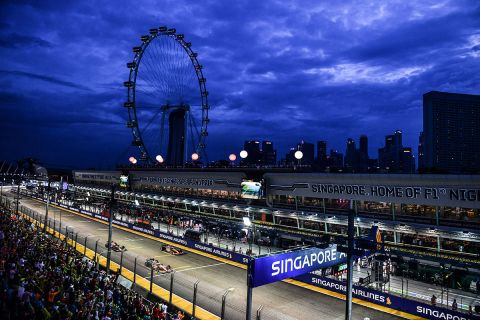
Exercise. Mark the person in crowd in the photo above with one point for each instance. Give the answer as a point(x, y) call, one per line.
point(454, 305)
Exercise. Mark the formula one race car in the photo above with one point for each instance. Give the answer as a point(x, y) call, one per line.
point(116, 247)
point(157, 266)
point(172, 250)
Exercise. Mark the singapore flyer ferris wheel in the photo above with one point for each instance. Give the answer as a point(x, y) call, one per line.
point(167, 99)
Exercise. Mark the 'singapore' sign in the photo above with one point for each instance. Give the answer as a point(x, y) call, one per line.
point(194, 182)
point(399, 192)
point(277, 267)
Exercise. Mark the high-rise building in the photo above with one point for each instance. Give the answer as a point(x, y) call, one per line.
point(335, 160)
point(363, 164)
point(290, 157)
point(393, 157)
point(269, 155)
point(407, 161)
point(421, 152)
point(321, 154)
point(308, 150)
point(176, 137)
point(254, 154)
point(351, 156)
point(451, 128)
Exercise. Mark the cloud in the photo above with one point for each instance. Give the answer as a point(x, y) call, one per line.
point(279, 70)
point(16, 41)
point(50, 79)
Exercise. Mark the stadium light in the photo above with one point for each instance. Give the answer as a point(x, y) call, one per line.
point(159, 158)
point(243, 154)
point(195, 156)
point(298, 155)
point(132, 160)
point(232, 157)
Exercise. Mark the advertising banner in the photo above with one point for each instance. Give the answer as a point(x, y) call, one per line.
point(251, 189)
point(436, 190)
point(277, 267)
point(387, 300)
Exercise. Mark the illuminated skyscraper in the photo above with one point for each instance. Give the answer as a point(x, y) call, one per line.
point(451, 128)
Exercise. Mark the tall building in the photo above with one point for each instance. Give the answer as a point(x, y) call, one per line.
point(269, 155)
point(406, 161)
point(421, 152)
point(451, 128)
point(176, 137)
point(321, 154)
point(393, 157)
point(254, 154)
point(290, 157)
point(308, 150)
point(351, 156)
point(363, 163)
point(335, 160)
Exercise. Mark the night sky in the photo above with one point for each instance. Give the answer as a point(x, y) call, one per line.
point(278, 70)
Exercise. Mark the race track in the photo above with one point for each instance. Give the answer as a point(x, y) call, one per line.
point(281, 300)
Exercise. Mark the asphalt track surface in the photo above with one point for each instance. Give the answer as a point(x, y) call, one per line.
point(281, 300)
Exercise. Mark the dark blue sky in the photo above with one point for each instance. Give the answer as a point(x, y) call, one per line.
point(279, 70)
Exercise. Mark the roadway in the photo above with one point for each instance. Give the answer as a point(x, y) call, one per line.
point(280, 300)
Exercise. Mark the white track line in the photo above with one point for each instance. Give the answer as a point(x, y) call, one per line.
point(207, 266)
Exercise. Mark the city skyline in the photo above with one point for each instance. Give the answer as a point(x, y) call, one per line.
point(283, 72)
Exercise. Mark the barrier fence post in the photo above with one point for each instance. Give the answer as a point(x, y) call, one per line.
point(259, 312)
point(447, 297)
point(96, 246)
point(406, 289)
point(121, 262)
point(135, 271)
point(224, 299)
point(76, 238)
point(402, 282)
point(151, 277)
point(85, 247)
point(194, 300)
point(171, 287)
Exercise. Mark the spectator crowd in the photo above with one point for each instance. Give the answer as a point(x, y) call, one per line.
point(44, 278)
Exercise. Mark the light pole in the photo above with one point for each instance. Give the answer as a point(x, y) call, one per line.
point(18, 197)
point(46, 206)
point(243, 155)
point(350, 257)
point(232, 157)
point(298, 155)
point(248, 223)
